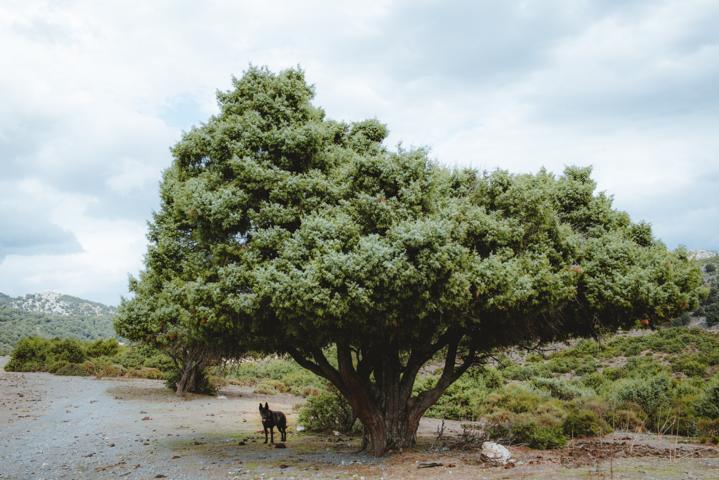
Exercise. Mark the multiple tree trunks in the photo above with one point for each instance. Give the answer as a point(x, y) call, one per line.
point(191, 377)
point(379, 387)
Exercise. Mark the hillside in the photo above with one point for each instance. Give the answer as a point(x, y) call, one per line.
point(52, 314)
point(709, 308)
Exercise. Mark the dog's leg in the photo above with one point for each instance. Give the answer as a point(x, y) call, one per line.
point(272, 434)
point(265, 428)
point(284, 434)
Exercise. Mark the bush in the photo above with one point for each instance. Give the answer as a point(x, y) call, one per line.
point(541, 432)
point(515, 398)
point(67, 349)
point(103, 367)
point(103, 348)
point(585, 423)
point(689, 365)
point(628, 417)
point(269, 370)
point(328, 411)
point(682, 320)
point(29, 355)
point(156, 374)
point(70, 369)
point(561, 389)
point(271, 387)
point(461, 401)
point(653, 394)
point(540, 436)
point(708, 404)
point(709, 430)
point(710, 268)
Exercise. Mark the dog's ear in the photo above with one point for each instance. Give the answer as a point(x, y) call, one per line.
point(260, 407)
point(266, 406)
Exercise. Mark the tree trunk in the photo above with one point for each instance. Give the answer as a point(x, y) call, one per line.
point(188, 382)
point(390, 431)
point(378, 386)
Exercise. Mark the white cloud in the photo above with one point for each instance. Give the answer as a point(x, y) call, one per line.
point(94, 94)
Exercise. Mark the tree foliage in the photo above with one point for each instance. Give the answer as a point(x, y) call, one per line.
point(300, 232)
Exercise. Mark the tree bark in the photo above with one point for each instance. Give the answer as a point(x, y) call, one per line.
point(378, 387)
point(190, 377)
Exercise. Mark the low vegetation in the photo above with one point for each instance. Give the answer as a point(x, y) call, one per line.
point(100, 358)
point(665, 381)
point(709, 308)
point(272, 375)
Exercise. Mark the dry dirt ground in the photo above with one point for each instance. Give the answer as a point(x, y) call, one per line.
point(76, 428)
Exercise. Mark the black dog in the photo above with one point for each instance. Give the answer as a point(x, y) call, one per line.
point(271, 420)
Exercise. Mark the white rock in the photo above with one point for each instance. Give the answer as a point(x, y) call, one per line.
point(300, 428)
point(495, 453)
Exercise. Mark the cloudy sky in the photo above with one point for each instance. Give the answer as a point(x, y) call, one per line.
point(93, 94)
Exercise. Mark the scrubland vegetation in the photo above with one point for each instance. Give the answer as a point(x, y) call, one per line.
point(100, 358)
point(666, 381)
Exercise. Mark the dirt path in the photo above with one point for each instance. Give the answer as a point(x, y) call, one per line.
point(73, 427)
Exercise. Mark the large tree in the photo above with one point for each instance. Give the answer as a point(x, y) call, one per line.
point(320, 239)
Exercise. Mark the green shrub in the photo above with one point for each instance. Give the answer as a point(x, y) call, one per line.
point(156, 374)
point(653, 394)
point(561, 389)
point(709, 429)
point(542, 431)
point(103, 367)
point(516, 398)
point(271, 387)
point(585, 423)
point(28, 355)
point(268, 370)
point(689, 365)
point(69, 369)
point(103, 348)
point(628, 417)
point(328, 411)
point(539, 433)
point(526, 372)
point(461, 401)
point(710, 268)
point(643, 366)
point(682, 320)
point(68, 349)
point(596, 380)
point(708, 403)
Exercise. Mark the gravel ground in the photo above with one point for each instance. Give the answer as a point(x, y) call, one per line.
point(55, 427)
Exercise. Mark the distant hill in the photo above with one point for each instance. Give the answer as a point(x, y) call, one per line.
point(702, 254)
point(52, 314)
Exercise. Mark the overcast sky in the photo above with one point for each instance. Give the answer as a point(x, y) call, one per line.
point(93, 94)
